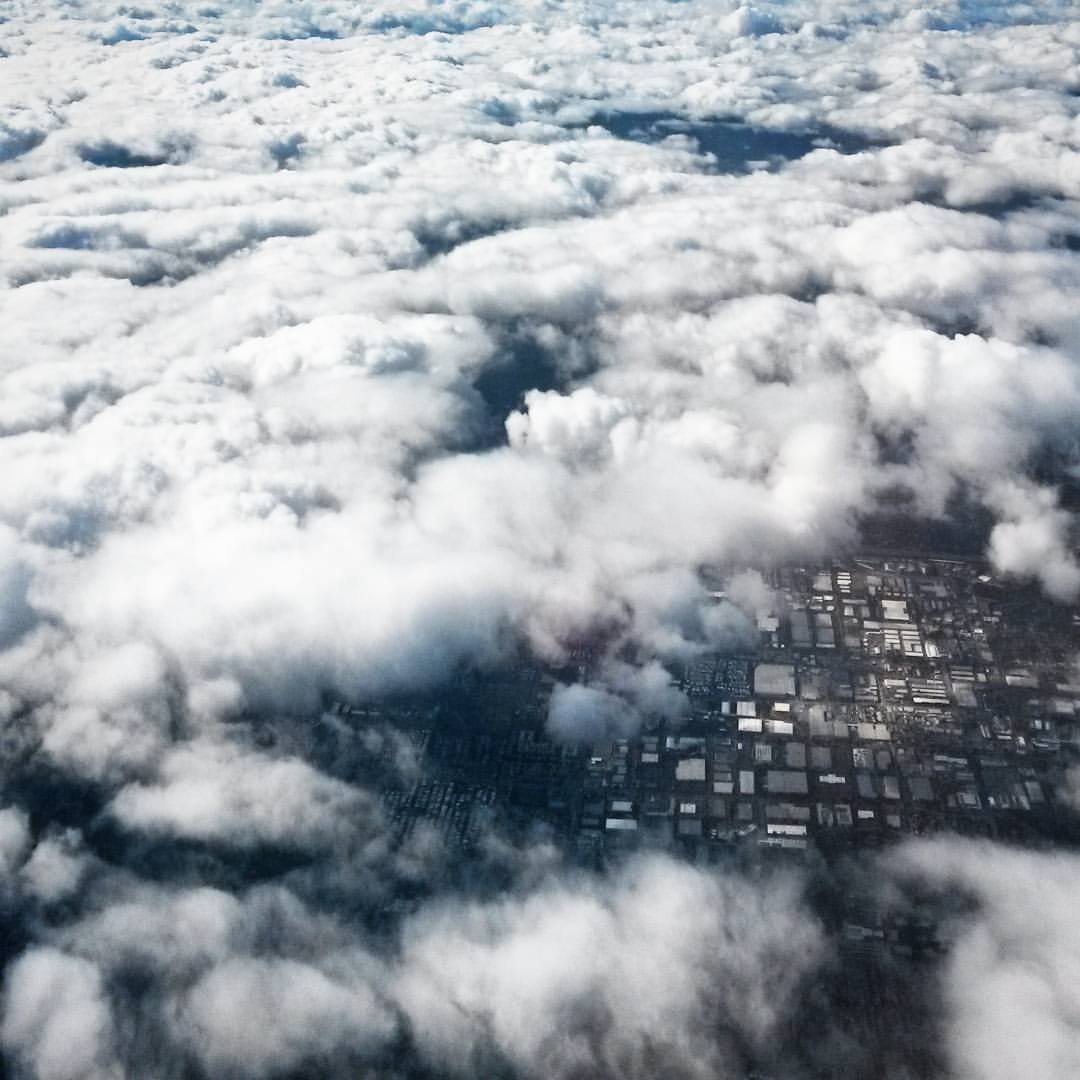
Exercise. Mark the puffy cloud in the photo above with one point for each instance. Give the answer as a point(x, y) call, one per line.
point(576, 427)
point(1011, 997)
point(321, 384)
point(1035, 540)
point(210, 990)
point(589, 713)
point(57, 1021)
point(217, 793)
point(649, 687)
point(262, 409)
point(103, 710)
point(620, 700)
point(662, 964)
point(56, 868)
point(259, 1017)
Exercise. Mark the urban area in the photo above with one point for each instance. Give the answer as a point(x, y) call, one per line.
point(885, 696)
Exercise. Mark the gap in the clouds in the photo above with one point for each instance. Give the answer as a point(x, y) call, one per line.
point(525, 364)
point(441, 237)
point(14, 143)
point(1057, 465)
point(72, 237)
point(451, 21)
point(962, 532)
point(128, 254)
point(165, 859)
point(112, 155)
point(737, 147)
point(54, 798)
point(1012, 202)
point(302, 30)
point(287, 150)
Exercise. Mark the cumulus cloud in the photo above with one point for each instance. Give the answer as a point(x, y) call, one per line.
point(56, 868)
point(57, 1021)
point(664, 964)
point(578, 427)
point(363, 345)
point(661, 963)
point(262, 410)
point(590, 713)
point(1037, 540)
point(1011, 991)
point(215, 792)
point(256, 1017)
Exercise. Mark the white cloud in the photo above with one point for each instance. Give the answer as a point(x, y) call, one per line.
point(1035, 541)
point(56, 868)
point(56, 1019)
point(589, 713)
point(259, 265)
point(259, 1017)
point(1012, 998)
point(664, 963)
point(216, 792)
point(240, 387)
point(579, 427)
point(659, 962)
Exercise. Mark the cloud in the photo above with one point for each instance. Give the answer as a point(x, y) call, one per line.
point(589, 713)
point(659, 963)
point(219, 793)
point(663, 964)
point(257, 1017)
point(1012, 1001)
point(241, 378)
point(56, 868)
point(1036, 541)
point(57, 1022)
point(351, 349)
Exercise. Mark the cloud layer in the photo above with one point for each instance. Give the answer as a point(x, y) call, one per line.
point(254, 310)
point(348, 346)
point(661, 963)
